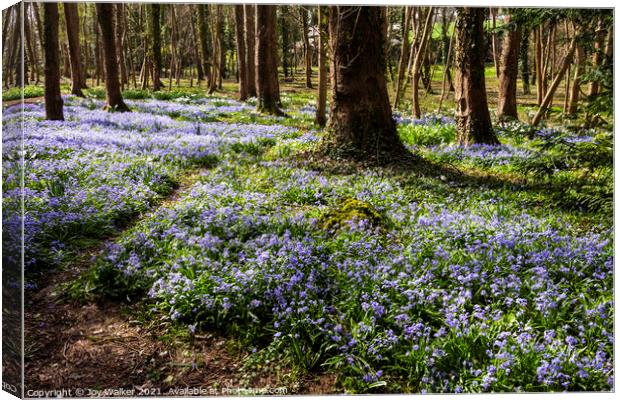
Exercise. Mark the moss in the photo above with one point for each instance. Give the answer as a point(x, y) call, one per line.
point(350, 210)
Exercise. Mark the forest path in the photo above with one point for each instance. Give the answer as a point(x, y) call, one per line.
point(89, 346)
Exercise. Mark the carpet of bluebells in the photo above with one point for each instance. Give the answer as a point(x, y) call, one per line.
point(462, 292)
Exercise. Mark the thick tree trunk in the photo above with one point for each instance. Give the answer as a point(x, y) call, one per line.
point(473, 121)
point(556, 82)
point(250, 46)
point(53, 100)
point(322, 97)
point(73, 36)
point(404, 56)
point(419, 56)
point(114, 98)
point(508, 74)
point(361, 123)
point(156, 43)
point(266, 60)
point(307, 54)
point(240, 31)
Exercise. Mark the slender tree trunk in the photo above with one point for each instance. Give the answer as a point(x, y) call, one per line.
point(105, 16)
point(415, 73)
point(404, 56)
point(250, 42)
point(539, 70)
point(597, 56)
point(446, 72)
point(509, 71)
point(32, 60)
point(120, 42)
point(556, 82)
point(53, 100)
point(203, 32)
point(72, 22)
point(266, 60)
point(525, 65)
point(195, 52)
point(156, 43)
point(473, 121)
point(284, 33)
point(576, 85)
point(307, 54)
point(361, 123)
point(240, 32)
point(494, 41)
point(322, 98)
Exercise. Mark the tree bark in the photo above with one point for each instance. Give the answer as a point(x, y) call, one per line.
point(195, 52)
point(576, 84)
point(120, 42)
point(322, 97)
point(307, 54)
point(404, 56)
point(156, 45)
point(473, 121)
point(240, 32)
point(266, 60)
point(284, 33)
point(73, 36)
point(250, 46)
point(597, 56)
point(525, 64)
point(556, 82)
point(114, 98)
point(419, 56)
point(508, 74)
point(203, 32)
point(216, 63)
point(539, 70)
point(53, 100)
point(361, 123)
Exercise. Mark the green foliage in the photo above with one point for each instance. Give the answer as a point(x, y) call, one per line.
point(427, 135)
point(15, 93)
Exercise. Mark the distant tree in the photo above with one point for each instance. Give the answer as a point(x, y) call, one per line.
point(404, 55)
point(203, 33)
point(53, 100)
point(241, 57)
point(73, 37)
point(417, 62)
point(473, 121)
point(509, 71)
point(303, 13)
point(525, 62)
point(266, 60)
point(105, 17)
point(361, 124)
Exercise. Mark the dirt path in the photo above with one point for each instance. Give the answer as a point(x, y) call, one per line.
point(96, 346)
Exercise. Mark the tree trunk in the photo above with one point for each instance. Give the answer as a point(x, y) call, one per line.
point(525, 65)
point(250, 46)
point(404, 56)
point(266, 60)
point(195, 52)
point(284, 33)
point(361, 123)
point(53, 100)
point(120, 42)
point(556, 82)
point(217, 50)
point(114, 98)
point(240, 31)
point(419, 56)
point(576, 84)
point(473, 121)
point(446, 73)
point(203, 32)
point(508, 75)
point(322, 98)
point(156, 43)
point(307, 54)
point(494, 41)
point(539, 70)
point(73, 36)
point(597, 56)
